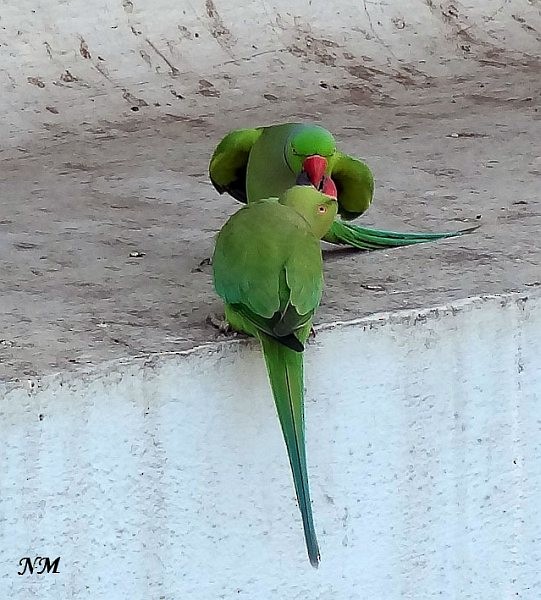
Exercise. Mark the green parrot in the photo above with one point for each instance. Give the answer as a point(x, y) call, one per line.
point(268, 270)
point(253, 164)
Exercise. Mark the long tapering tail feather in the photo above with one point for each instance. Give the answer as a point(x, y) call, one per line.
point(373, 239)
point(285, 370)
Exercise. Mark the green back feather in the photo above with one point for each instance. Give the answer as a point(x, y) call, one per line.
point(266, 258)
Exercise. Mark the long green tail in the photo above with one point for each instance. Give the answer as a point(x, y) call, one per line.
point(373, 239)
point(285, 369)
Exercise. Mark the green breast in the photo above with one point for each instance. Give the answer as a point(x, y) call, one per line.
point(267, 174)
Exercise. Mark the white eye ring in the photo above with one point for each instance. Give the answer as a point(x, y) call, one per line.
point(322, 209)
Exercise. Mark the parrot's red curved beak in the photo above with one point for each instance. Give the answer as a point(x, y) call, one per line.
point(315, 166)
point(329, 188)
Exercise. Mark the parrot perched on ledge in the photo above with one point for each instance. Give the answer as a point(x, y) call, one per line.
point(268, 270)
point(253, 164)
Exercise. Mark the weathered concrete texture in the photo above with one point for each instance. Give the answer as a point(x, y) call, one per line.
point(168, 478)
point(73, 212)
point(77, 62)
point(111, 111)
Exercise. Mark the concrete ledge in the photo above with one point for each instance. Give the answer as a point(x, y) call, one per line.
point(440, 98)
point(72, 295)
point(166, 476)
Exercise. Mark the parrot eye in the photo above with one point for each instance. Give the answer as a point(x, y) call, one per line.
point(322, 209)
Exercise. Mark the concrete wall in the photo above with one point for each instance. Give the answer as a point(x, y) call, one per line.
point(168, 477)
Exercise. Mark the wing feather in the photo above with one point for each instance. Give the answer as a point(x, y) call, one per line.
point(227, 168)
point(354, 183)
point(268, 266)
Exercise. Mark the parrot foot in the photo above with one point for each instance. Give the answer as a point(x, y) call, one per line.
point(219, 323)
point(313, 333)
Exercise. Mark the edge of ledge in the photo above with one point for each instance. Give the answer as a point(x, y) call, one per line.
point(89, 373)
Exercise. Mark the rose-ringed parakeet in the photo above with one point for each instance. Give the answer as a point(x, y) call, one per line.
point(268, 270)
point(253, 164)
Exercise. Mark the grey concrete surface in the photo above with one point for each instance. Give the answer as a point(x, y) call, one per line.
point(443, 106)
point(73, 212)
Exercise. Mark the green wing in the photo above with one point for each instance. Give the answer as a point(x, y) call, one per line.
point(267, 266)
point(227, 168)
point(354, 183)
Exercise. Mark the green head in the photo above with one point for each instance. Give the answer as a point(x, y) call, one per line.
point(310, 148)
point(317, 208)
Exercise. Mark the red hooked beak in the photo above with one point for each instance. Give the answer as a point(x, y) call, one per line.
point(329, 188)
point(315, 166)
